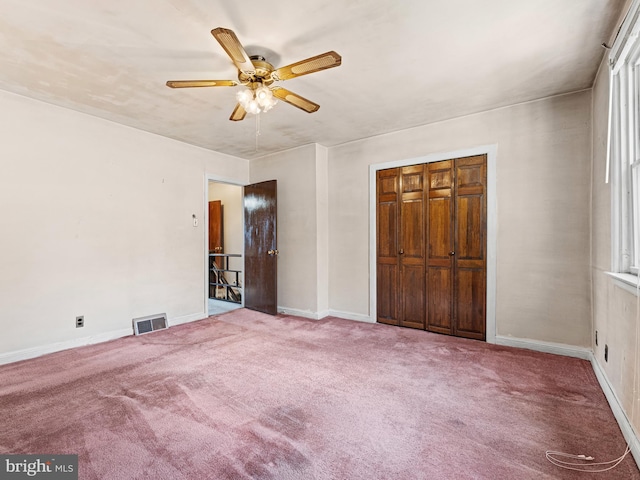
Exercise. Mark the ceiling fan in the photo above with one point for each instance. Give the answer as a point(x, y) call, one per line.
point(258, 75)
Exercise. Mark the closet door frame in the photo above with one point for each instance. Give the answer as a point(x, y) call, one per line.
point(491, 152)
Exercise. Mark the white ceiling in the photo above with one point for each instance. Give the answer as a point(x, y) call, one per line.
point(404, 62)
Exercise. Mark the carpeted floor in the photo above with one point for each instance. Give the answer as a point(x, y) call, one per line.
point(246, 395)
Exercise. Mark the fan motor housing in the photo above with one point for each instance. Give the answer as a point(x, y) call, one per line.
point(262, 74)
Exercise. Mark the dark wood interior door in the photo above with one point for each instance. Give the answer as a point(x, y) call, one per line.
point(260, 247)
point(216, 232)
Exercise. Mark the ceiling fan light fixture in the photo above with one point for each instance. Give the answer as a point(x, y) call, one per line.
point(270, 105)
point(255, 101)
point(253, 107)
point(265, 99)
point(258, 76)
point(244, 96)
point(263, 95)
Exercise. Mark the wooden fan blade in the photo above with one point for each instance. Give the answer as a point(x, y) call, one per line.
point(295, 99)
point(228, 40)
point(201, 83)
point(310, 65)
point(238, 113)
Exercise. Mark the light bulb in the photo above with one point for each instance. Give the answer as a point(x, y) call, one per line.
point(255, 101)
point(244, 97)
point(263, 95)
point(253, 107)
point(269, 105)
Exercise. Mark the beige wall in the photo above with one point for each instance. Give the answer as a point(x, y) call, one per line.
point(543, 174)
point(615, 311)
point(89, 183)
point(301, 193)
point(322, 229)
point(97, 221)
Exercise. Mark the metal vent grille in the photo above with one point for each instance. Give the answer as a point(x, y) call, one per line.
point(150, 323)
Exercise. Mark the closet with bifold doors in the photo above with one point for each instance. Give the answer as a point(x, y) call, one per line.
point(431, 222)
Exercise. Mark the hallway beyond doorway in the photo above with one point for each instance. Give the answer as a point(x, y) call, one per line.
point(216, 307)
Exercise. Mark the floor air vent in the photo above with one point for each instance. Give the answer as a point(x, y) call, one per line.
point(150, 324)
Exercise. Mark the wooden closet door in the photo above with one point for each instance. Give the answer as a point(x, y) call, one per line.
point(387, 213)
point(440, 249)
point(431, 239)
point(470, 247)
point(412, 287)
point(401, 246)
point(456, 254)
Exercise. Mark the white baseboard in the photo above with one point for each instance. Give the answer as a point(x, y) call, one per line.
point(618, 412)
point(299, 313)
point(358, 317)
point(326, 313)
point(34, 352)
point(547, 347)
point(187, 318)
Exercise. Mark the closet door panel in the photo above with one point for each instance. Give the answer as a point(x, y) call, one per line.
point(412, 222)
point(470, 303)
point(470, 247)
point(439, 247)
point(412, 288)
point(386, 294)
point(388, 183)
point(412, 247)
point(439, 229)
point(387, 236)
point(470, 240)
point(439, 293)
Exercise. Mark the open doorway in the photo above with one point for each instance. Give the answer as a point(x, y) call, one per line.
point(226, 248)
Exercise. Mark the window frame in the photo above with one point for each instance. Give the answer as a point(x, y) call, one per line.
point(623, 162)
point(634, 167)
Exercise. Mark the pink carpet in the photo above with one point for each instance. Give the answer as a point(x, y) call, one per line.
point(246, 395)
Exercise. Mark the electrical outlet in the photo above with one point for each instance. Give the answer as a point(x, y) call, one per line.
point(606, 353)
point(80, 321)
point(596, 337)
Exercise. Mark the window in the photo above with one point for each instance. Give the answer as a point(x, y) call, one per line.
point(635, 162)
point(624, 144)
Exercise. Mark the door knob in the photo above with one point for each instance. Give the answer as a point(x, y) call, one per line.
point(272, 252)
point(452, 254)
point(401, 252)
